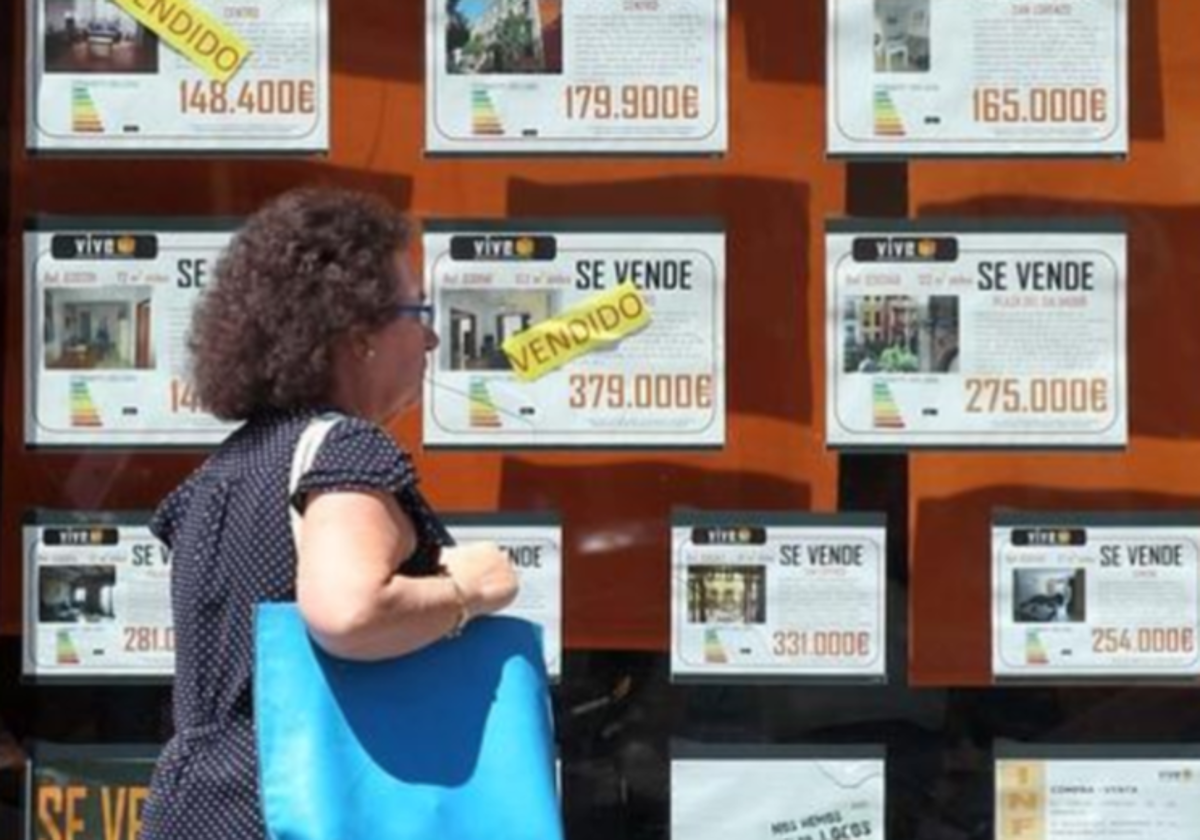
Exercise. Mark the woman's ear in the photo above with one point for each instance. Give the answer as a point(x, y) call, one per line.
point(359, 344)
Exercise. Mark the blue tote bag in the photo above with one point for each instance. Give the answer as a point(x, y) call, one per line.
point(452, 742)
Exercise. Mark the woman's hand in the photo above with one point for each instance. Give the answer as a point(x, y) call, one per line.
point(484, 573)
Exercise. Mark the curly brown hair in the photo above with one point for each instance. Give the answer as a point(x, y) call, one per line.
point(304, 269)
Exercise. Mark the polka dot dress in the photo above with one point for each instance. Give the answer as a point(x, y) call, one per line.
point(231, 539)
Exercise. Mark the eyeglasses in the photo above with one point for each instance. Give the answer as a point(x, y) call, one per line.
point(423, 312)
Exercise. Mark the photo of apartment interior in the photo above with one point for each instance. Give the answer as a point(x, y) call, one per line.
point(727, 595)
point(98, 329)
point(481, 321)
point(901, 36)
point(96, 36)
point(1048, 595)
point(71, 594)
point(504, 36)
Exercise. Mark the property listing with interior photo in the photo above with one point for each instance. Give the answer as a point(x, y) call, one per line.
point(250, 75)
point(570, 334)
point(560, 75)
point(977, 77)
point(777, 596)
point(97, 600)
point(109, 305)
point(1096, 595)
point(1004, 333)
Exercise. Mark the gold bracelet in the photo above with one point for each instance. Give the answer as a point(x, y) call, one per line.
point(464, 611)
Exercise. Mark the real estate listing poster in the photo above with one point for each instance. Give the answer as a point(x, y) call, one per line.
point(576, 377)
point(101, 80)
point(98, 600)
point(97, 597)
point(778, 596)
point(87, 792)
point(977, 77)
point(984, 334)
point(777, 792)
point(534, 545)
point(109, 305)
point(603, 76)
point(1096, 595)
point(1047, 792)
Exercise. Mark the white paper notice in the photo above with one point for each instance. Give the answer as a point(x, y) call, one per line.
point(1096, 595)
point(1098, 798)
point(109, 307)
point(100, 81)
point(778, 596)
point(97, 598)
point(663, 385)
point(962, 334)
point(534, 544)
point(977, 77)
point(778, 798)
point(613, 76)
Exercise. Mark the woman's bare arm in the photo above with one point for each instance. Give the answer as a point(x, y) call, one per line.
point(355, 604)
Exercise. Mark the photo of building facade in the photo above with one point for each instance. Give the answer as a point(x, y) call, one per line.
point(504, 36)
point(901, 334)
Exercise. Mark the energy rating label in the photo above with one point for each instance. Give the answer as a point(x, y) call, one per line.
point(778, 792)
point(606, 76)
point(97, 598)
point(576, 334)
point(778, 597)
point(1134, 792)
point(1096, 595)
point(109, 305)
point(977, 77)
point(185, 75)
point(534, 545)
point(84, 791)
point(985, 334)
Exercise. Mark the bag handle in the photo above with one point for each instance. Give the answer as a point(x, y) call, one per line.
point(302, 459)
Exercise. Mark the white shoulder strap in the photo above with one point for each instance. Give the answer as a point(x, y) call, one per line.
point(302, 459)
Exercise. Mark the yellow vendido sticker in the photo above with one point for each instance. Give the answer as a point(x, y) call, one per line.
point(204, 40)
point(599, 320)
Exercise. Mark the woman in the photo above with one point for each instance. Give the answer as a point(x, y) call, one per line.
point(314, 309)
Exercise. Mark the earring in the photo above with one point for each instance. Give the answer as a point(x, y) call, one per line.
point(370, 353)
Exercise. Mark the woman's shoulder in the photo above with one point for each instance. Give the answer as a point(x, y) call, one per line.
point(355, 434)
point(357, 453)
